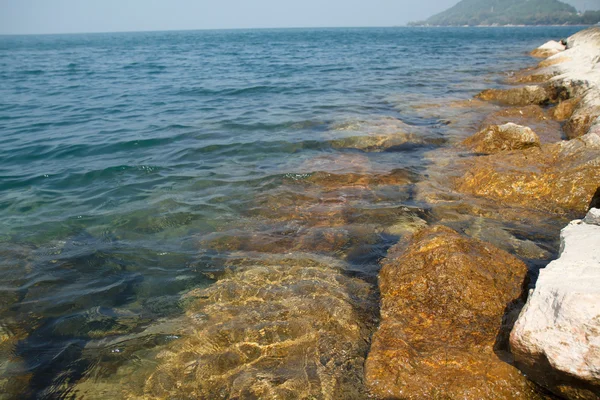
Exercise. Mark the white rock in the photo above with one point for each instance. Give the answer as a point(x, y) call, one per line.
point(556, 340)
point(552, 45)
point(593, 217)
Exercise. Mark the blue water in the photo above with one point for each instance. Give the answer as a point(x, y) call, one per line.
point(120, 153)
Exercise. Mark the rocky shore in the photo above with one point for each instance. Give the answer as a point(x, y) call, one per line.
point(449, 302)
point(478, 295)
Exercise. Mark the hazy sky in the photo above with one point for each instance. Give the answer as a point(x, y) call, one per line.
point(69, 16)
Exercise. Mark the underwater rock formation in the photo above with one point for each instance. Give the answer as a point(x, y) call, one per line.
point(288, 327)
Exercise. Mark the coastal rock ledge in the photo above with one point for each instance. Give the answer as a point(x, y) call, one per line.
point(446, 306)
point(556, 339)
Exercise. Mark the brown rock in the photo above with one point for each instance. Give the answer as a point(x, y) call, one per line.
point(514, 115)
point(520, 96)
point(582, 119)
point(497, 138)
point(443, 299)
point(558, 178)
point(530, 75)
point(564, 109)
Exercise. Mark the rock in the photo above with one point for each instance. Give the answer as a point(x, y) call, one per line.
point(558, 178)
point(586, 38)
point(553, 61)
point(564, 109)
point(488, 231)
point(496, 138)
point(530, 76)
point(548, 49)
point(556, 339)
point(517, 115)
point(380, 134)
point(519, 96)
point(592, 217)
point(443, 298)
point(274, 327)
point(579, 77)
point(532, 116)
point(584, 116)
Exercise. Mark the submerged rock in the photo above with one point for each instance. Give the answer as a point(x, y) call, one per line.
point(556, 339)
point(278, 327)
point(375, 143)
point(14, 375)
point(497, 138)
point(548, 49)
point(442, 332)
point(559, 178)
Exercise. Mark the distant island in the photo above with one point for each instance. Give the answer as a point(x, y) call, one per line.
point(510, 12)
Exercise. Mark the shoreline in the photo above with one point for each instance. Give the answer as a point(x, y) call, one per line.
point(291, 300)
point(510, 170)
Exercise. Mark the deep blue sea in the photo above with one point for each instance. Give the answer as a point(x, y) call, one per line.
point(125, 156)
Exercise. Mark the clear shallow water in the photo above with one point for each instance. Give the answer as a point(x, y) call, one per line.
point(133, 164)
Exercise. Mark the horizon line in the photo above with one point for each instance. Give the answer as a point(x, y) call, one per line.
point(278, 28)
point(201, 29)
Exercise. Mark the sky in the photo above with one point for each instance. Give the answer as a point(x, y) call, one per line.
point(76, 16)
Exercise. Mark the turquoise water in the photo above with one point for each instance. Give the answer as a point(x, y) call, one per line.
point(125, 156)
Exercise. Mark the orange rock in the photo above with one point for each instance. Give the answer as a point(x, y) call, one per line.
point(520, 96)
point(442, 332)
point(558, 178)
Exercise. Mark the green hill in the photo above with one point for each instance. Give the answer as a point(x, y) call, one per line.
point(511, 12)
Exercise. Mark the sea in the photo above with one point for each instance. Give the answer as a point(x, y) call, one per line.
point(133, 166)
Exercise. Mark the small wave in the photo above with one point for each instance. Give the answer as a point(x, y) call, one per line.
point(33, 72)
point(258, 89)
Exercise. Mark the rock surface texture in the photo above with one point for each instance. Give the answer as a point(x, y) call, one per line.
point(560, 177)
point(577, 73)
point(443, 298)
point(496, 138)
point(289, 327)
point(519, 96)
point(573, 74)
point(548, 49)
point(556, 339)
